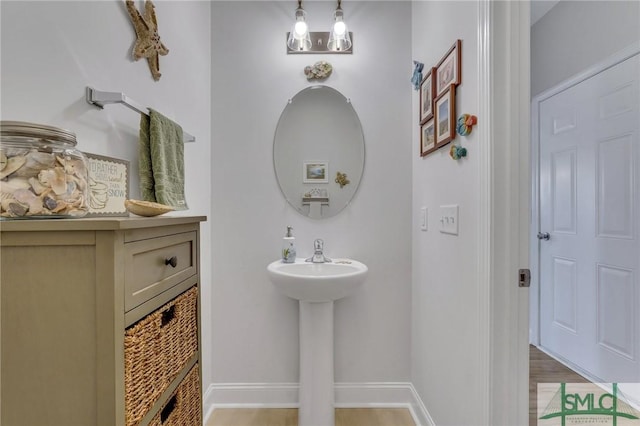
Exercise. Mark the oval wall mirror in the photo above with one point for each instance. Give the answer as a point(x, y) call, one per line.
point(318, 152)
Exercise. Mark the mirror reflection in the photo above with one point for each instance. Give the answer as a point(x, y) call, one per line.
point(318, 152)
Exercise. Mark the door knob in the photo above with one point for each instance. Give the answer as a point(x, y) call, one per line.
point(544, 236)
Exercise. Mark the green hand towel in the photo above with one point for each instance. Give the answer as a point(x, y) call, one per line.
point(161, 161)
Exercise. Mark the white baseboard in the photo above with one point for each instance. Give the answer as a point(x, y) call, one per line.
point(418, 410)
point(348, 395)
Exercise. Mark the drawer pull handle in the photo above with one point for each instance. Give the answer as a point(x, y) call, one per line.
point(168, 409)
point(168, 315)
point(173, 261)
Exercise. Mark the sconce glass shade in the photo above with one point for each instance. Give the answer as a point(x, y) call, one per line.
point(339, 38)
point(299, 38)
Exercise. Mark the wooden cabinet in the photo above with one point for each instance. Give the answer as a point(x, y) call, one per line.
point(73, 294)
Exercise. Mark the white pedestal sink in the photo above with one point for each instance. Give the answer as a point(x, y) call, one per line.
point(316, 286)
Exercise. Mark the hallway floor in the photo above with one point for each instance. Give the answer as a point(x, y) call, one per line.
point(544, 369)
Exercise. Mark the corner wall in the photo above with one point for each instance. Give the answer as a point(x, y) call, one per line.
point(445, 308)
point(254, 327)
point(52, 50)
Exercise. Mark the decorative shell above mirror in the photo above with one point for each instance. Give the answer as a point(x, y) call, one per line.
point(318, 135)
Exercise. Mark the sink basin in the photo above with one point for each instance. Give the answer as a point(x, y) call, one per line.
point(317, 282)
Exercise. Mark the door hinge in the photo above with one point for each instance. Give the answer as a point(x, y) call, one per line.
point(524, 278)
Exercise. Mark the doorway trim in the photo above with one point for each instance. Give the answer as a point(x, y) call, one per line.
point(615, 59)
point(503, 210)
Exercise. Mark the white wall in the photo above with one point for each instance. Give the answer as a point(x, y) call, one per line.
point(445, 352)
point(51, 50)
point(577, 34)
point(255, 329)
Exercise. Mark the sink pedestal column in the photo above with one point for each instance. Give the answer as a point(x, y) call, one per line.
point(316, 396)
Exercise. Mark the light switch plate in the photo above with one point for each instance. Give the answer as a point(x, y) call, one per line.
point(449, 219)
point(423, 218)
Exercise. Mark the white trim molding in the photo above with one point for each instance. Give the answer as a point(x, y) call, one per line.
point(347, 395)
point(484, 237)
point(503, 82)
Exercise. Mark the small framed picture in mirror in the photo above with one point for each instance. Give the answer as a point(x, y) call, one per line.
point(315, 172)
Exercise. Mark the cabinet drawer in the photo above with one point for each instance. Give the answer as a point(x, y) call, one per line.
point(156, 349)
point(157, 264)
point(183, 407)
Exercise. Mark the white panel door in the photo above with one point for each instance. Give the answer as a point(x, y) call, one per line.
point(589, 206)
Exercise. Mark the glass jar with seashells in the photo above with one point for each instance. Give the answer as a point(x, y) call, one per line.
point(42, 174)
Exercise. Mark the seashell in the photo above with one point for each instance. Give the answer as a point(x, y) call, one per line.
point(17, 209)
point(70, 194)
point(80, 181)
point(72, 166)
point(28, 198)
point(24, 196)
point(35, 207)
point(54, 178)
point(80, 203)
point(5, 200)
point(37, 187)
point(13, 184)
point(36, 161)
point(49, 203)
point(13, 164)
point(3, 160)
point(60, 206)
point(6, 196)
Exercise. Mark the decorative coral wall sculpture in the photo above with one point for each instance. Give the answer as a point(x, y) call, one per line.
point(465, 124)
point(148, 44)
point(319, 71)
point(457, 152)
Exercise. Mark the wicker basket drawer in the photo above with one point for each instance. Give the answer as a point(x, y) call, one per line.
point(157, 264)
point(156, 349)
point(183, 407)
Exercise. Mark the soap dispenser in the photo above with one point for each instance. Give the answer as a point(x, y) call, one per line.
point(289, 247)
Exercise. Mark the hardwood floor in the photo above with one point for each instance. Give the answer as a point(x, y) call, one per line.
point(544, 369)
point(254, 417)
point(289, 417)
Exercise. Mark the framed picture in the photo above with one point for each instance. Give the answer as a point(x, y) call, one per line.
point(427, 91)
point(427, 138)
point(449, 69)
point(315, 172)
point(445, 116)
point(108, 185)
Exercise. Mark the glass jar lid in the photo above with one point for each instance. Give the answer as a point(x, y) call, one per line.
point(37, 131)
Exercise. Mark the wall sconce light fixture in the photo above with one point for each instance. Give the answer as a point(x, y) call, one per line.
point(300, 40)
point(339, 39)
